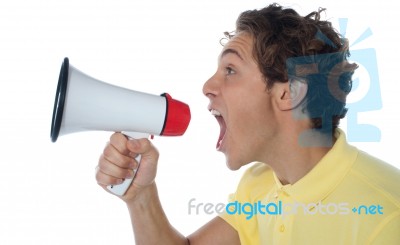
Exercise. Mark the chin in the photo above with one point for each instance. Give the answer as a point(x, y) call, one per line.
point(232, 164)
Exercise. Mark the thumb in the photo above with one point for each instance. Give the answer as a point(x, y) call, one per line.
point(143, 147)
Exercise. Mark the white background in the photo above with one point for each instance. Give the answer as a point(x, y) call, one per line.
point(48, 191)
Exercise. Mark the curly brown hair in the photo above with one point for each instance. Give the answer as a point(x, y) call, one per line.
point(283, 39)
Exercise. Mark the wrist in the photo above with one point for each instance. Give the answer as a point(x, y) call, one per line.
point(142, 196)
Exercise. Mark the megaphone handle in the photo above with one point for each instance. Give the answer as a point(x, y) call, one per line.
point(120, 189)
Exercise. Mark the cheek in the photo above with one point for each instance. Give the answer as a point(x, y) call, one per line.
point(249, 113)
point(248, 109)
point(254, 125)
point(256, 112)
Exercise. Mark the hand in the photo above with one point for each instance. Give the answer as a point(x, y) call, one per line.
point(118, 162)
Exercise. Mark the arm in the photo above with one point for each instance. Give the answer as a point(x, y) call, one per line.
point(149, 222)
point(151, 226)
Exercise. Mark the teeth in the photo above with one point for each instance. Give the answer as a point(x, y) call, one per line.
point(215, 113)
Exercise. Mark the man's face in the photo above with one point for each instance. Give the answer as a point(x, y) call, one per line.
point(241, 103)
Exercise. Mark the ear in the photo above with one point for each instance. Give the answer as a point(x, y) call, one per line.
point(293, 94)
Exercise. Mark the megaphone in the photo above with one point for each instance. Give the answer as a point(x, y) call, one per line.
point(83, 103)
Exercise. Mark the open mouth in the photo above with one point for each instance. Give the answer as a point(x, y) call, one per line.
point(222, 127)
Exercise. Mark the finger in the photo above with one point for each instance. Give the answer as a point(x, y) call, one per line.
point(114, 170)
point(114, 156)
point(104, 179)
point(118, 141)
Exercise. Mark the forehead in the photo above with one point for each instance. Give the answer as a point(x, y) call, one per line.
point(241, 45)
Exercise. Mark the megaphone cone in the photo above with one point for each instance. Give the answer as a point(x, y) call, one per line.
point(83, 103)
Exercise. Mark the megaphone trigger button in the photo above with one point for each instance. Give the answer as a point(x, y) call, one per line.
point(166, 95)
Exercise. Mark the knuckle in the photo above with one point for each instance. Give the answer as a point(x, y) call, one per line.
point(147, 143)
point(112, 180)
point(118, 140)
point(103, 163)
point(112, 169)
point(116, 136)
point(101, 178)
point(108, 151)
point(112, 155)
point(105, 180)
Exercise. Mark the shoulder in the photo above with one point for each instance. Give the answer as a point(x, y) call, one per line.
point(380, 176)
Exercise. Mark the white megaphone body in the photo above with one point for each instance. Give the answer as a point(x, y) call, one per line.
point(83, 103)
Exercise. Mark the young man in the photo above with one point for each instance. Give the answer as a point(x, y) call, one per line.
point(278, 95)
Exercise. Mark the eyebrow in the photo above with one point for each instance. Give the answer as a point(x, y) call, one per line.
point(231, 51)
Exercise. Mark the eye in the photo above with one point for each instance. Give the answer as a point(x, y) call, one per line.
point(229, 71)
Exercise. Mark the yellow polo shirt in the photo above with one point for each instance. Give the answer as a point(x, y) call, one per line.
point(349, 197)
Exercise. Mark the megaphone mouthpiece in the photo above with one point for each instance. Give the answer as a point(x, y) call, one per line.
point(177, 117)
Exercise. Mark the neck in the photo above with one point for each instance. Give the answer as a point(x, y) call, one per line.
point(299, 156)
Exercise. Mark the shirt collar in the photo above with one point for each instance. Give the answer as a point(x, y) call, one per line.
point(317, 184)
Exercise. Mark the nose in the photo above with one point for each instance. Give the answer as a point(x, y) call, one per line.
point(210, 87)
